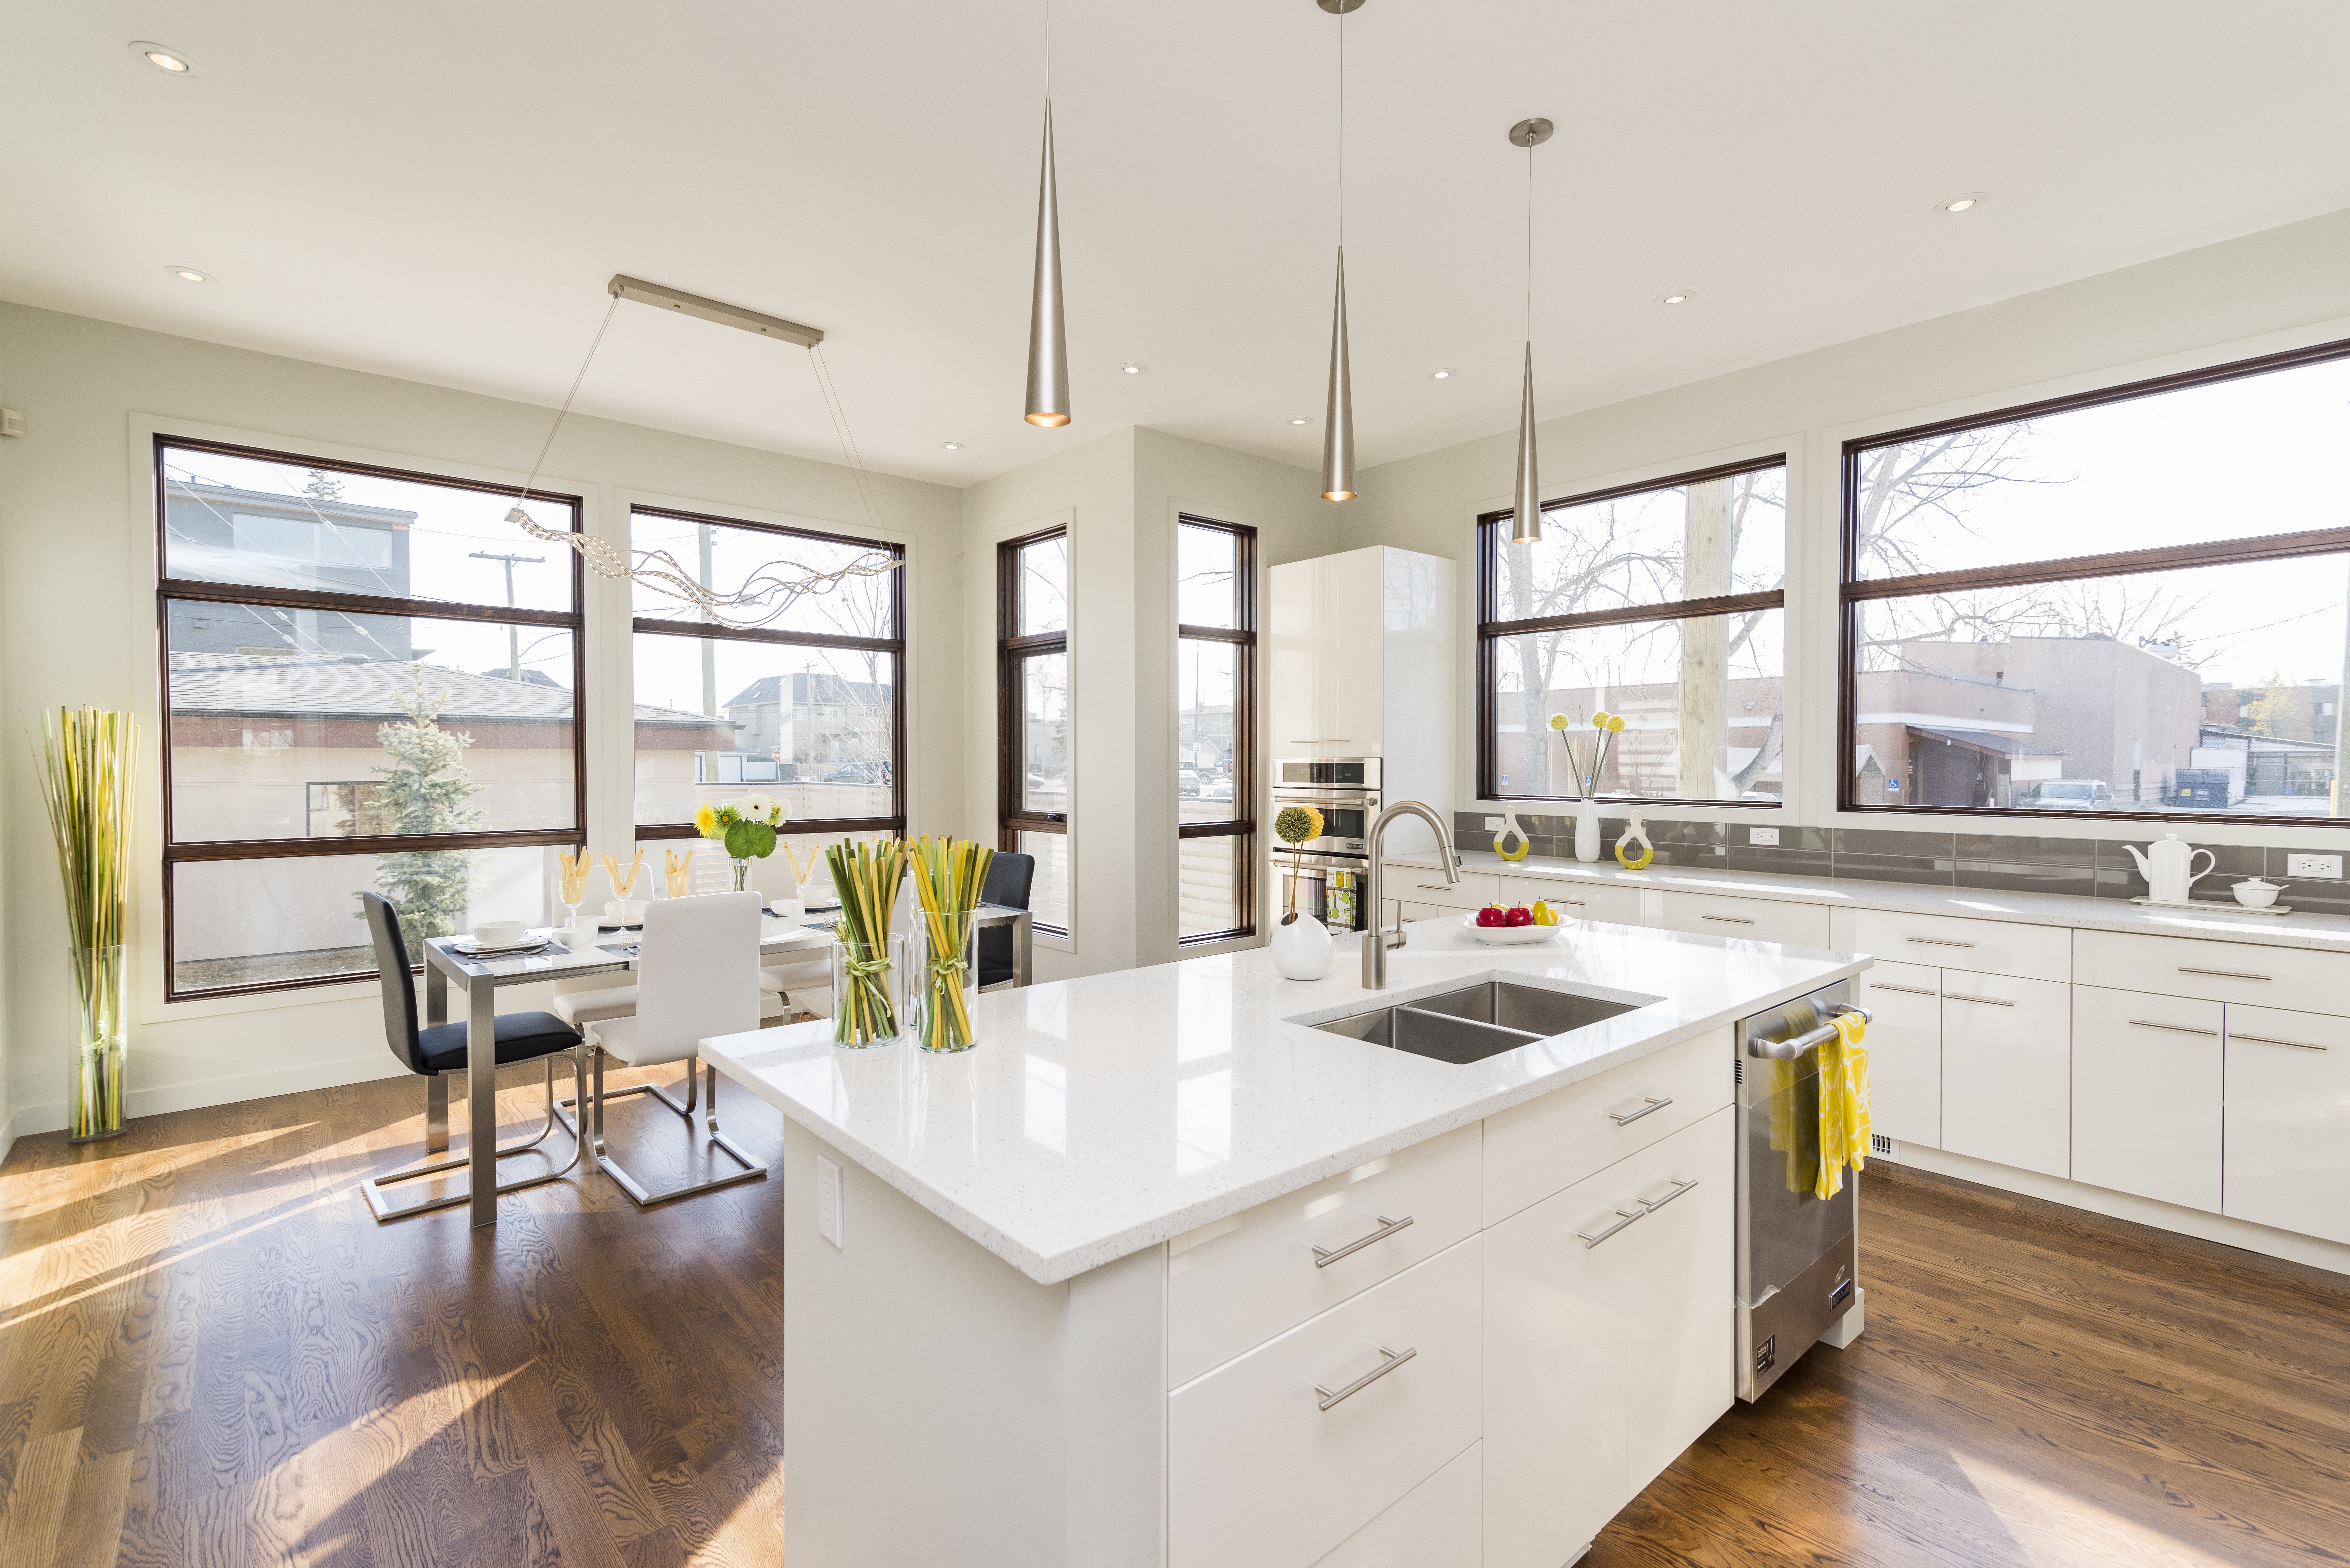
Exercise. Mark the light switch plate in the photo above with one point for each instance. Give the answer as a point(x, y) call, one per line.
point(828, 1202)
point(1762, 836)
point(2313, 866)
point(1493, 825)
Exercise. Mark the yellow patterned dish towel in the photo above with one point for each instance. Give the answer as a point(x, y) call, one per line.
point(1843, 1103)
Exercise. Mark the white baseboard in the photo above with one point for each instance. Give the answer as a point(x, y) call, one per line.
point(2313, 1251)
point(292, 1079)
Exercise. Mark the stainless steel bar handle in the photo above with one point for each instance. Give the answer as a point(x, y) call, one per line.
point(1395, 1358)
point(2225, 973)
point(1680, 1187)
point(1938, 943)
point(1578, 903)
point(1625, 1118)
point(1728, 919)
point(1323, 1257)
point(2178, 1028)
point(1433, 887)
point(1907, 989)
point(1788, 1050)
point(1628, 1217)
point(1985, 1000)
point(2269, 1040)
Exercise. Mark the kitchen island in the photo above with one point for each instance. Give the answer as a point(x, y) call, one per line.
point(1161, 1273)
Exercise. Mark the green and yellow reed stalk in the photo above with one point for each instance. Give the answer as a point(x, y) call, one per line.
point(867, 876)
point(88, 757)
point(949, 876)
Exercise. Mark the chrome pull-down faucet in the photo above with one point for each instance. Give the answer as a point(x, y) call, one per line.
point(1375, 940)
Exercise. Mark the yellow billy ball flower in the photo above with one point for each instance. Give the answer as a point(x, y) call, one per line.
point(1296, 824)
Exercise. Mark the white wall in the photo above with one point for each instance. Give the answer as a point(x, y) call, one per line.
point(2280, 289)
point(79, 630)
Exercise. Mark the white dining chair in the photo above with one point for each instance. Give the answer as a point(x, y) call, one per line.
point(697, 976)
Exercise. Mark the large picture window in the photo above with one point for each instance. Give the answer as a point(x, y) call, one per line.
point(808, 708)
point(1034, 741)
point(1662, 604)
point(2116, 604)
point(1215, 741)
point(366, 656)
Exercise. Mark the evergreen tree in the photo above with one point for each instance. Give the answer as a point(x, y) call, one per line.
point(425, 791)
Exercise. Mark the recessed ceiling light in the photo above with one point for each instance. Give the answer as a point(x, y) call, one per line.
point(951, 445)
point(1678, 296)
point(1966, 203)
point(168, 60)
point(1439, 375)
point(1133, 369)
point(189, 274)
point(1301, 421)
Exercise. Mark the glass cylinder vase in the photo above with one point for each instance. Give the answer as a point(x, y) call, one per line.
point(870, 1004)
point(742, 873)
point(945, 953)
point(101, 1043)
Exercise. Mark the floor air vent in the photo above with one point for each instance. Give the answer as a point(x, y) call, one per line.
point(1883, 1147)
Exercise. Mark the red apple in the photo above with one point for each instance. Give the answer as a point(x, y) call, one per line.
point(1493, 915)
point(1520, 916)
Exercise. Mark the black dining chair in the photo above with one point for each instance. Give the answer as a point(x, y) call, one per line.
point(1010, 879)
point(436, 1053)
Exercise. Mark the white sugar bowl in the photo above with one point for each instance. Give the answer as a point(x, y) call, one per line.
point(2254, 894)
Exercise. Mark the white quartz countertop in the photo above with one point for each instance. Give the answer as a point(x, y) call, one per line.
point(2325, 932)
point(1100, 1116)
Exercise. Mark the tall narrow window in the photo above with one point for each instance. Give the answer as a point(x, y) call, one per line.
point(1033, 730)
point(808, 708)
point(372, 684)
point(1215, 751)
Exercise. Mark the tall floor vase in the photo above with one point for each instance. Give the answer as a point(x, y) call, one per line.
point(100, 1046)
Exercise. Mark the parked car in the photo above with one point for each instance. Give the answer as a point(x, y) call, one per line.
point(2075, 794)
point(1187, 782)
point(1222, 789)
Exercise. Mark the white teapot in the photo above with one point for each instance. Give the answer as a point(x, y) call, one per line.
point(2169, 868)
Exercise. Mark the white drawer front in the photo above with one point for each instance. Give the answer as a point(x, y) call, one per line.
point(1234, 1285)
point(1992, 947)
point(1753, 920)
point(2007, 1071)
point(1579, 900)
point(2146, 1094)
point(2288, 1154)
point(1437, 1522)
point(2294, 979)
point(1548, 1145)
point(1258, 1475)
point(1426, 885)
point(1905, 1051)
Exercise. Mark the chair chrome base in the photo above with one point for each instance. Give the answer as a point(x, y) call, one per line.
point(436, 1141)
point(753, 1170)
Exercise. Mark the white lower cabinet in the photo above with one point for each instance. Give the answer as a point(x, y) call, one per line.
point(2288, 1120)
point(1276, 1458)
point(1577, 900)
point(2007, 1070)
point(1608, 1336)
point(1749, 919)
point(2146, 1094)
point(1437, 1522)
point(1905, 1051)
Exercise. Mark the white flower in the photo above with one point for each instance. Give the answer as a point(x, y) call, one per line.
point(760, 808)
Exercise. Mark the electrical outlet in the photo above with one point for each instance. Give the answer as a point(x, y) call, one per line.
point(2313, 866)
point(1493, 825)
point(12, 423)
point(1762, 836)
point(828, 1202)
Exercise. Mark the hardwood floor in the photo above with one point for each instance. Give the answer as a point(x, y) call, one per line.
point(210, 1355)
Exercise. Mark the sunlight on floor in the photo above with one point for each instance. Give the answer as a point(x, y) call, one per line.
point(2055, 1525)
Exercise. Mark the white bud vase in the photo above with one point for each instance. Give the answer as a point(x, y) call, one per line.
point(1301, 947)
point(1587, 831)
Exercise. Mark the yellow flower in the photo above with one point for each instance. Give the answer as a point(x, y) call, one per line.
point(1558, 721)
point(705, 820)
point(1297, 824)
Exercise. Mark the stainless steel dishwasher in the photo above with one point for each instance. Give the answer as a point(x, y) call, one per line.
point(1798, 1254)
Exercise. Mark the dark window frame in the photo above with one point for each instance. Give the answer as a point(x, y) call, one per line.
point(1243, 823)
point(169, 590)
point(1491, 632)
point(1854, 591)
point(894, 821)
point(1012, 650)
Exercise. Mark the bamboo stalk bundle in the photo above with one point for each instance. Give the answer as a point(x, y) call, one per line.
point(867, 877)
point(90, 758)
point(949, 877)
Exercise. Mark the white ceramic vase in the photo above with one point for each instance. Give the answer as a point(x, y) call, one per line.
point(1587, 831)
point(1301, 947)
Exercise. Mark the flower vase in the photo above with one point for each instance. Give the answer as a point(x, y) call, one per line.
point(100, 1044)
point(868, 991)
point(1301, 947)
point(1587, 831)
point(944, 950)
point(742, 873)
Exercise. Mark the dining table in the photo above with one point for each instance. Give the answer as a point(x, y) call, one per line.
point(482, 978)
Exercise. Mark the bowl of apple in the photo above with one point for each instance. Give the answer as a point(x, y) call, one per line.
point(1511, 926)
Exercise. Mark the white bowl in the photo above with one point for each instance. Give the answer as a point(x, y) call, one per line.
point(1507, 936)
point(2256, 894)
point(499, 933)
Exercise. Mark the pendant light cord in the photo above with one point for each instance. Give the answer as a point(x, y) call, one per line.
point(548, 445)
point(1342, 130)
point(1530, 241)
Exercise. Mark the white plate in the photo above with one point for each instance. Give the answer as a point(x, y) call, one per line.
point(1507, 936)
point(467, 946)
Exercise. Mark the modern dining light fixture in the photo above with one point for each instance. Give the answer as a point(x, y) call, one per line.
point(1525, 515)
point(1048, 326)
point(1338, 421)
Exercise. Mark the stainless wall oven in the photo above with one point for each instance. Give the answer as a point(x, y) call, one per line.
point(1328, 871)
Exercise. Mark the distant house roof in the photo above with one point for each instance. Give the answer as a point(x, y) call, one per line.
point(324, 686)
point(1984, 740)
point(768, 691)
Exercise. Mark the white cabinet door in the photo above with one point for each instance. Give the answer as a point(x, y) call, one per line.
point(1297, 677)
point(1751, 919)
point(2288, 1160)
point(1354, 643)
point(1437, 1522)
point(1426, 885)
point(2146, 1094)
point(1603, 1360)
point(2007, 1071)
point(1905, 1051)
point(1988, 947)
point(1575, 899)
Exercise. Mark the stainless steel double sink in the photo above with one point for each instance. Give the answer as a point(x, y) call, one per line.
point(1476, 1021)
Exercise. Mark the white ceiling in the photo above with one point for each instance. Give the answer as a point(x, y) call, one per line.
point(438, 189)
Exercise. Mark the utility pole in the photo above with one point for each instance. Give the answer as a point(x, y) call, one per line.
point(513, 633)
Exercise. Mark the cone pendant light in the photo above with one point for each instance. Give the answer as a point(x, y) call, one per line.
point(1339, 418)
point(1048, 327)
point(1526, 515)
